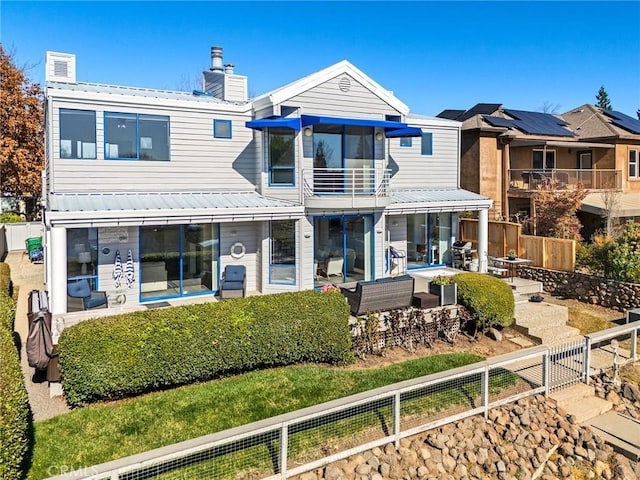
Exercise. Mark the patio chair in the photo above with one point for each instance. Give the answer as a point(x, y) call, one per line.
point(233, 283)
point(81, 297)
point(335, 266)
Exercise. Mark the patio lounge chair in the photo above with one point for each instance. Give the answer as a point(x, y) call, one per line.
point(233, 282)
point(335, 266)
point(81, 297)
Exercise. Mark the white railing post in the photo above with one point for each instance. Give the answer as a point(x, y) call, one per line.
point(396, 418)
point(284, 444)
point(485, 392)
point(546, 377)
point(587, 359)
point(634, 345)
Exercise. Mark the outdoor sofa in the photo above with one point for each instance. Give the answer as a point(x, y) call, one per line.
point(376, 295)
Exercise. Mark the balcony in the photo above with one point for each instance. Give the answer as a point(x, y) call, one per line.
point(528, 180)
point(346, 187)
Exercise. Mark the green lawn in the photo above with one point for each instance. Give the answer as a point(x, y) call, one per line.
point(104, 432)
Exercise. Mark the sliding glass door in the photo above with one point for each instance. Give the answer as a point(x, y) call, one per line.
point(343, 251)
point(428, 239)
point(178, 260)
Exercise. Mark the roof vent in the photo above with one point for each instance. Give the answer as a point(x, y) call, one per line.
point(60, 67)
point(344, 84)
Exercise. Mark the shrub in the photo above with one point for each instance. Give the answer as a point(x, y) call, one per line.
point(7, 312)
point(5, 278)
point(489, 300)
point(133, 353)
point(14, 410)
point(10, 218)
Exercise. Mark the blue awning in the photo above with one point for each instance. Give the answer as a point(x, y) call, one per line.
point(404, 132)
point(308, 120)
point(293, 123)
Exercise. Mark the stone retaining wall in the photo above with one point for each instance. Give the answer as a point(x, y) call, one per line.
point(591, 289)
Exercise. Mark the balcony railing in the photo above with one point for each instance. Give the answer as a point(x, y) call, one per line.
point(346, 181)
point(591, 179)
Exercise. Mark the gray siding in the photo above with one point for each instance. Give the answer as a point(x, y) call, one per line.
point(198, 162)
point(250, 234)
point(410, 169)
point(328, 99)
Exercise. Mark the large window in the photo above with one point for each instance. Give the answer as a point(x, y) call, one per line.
point(281, 148)
point(77, 133)
point(282, 261)
point(544, 160)
point(82, 255)
point(178, 260)
point(633, 164)
point(131, 136)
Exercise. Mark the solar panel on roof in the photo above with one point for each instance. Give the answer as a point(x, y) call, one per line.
point(499, 121)
point(537, 123)
point(480, 109)
point(450, 114)
point(623, 121)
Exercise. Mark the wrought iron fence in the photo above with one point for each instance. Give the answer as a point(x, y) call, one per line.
point(293, 443)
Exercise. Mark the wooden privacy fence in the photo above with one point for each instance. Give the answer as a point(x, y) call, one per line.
point(545, 252)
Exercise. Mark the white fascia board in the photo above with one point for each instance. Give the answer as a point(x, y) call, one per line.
point(310, 81)
point(432, 122)
point(152, 217)
point(448, 206)
point(93, 98)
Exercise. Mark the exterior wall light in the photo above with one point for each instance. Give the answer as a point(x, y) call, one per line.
point(308, 132)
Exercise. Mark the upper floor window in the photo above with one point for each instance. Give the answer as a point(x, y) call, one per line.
point(281, 151)
point(77, 133)
point(427, 143)
point(633, 163)
point(540, 161)
point(222, 128)
point(406, 141)
point(132, 136)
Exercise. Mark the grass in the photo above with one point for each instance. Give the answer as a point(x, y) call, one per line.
point(104, 432)
point(587, 321)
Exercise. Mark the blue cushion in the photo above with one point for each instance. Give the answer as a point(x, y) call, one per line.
point(232, 285)
point(79, 289)
point(234, 273)
point(94, 301)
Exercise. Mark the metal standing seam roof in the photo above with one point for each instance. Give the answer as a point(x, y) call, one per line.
point(452, 196)
point(138, 91)
point(172, 201)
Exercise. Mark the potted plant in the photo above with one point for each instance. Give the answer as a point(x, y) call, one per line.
point(536, 297)
point(512, 255)
point(445, 289)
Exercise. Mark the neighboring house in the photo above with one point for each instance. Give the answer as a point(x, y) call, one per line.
point(307, 184)
point(506, 154)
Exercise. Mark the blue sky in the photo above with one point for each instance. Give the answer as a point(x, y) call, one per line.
point(432, 55)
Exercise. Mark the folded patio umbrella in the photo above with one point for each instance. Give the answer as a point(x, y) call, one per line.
point(129, 273)
point(117, 270)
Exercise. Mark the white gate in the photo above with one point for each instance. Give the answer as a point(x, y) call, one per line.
point(567, 364)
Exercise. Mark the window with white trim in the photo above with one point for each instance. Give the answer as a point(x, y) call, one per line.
point(633, 163)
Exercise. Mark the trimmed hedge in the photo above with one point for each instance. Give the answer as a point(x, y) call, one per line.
point(7, 312)
point(129, 354)
point(14, 402)
point(5, 278)
point(489, 300)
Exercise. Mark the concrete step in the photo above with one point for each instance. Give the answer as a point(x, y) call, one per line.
point(525, 287)
point(580, 401)
point(619, 431)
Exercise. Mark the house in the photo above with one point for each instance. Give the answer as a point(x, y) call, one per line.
point(307, 184)
point(506, 154)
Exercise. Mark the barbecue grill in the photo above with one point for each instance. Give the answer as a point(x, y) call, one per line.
point(462, 254)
